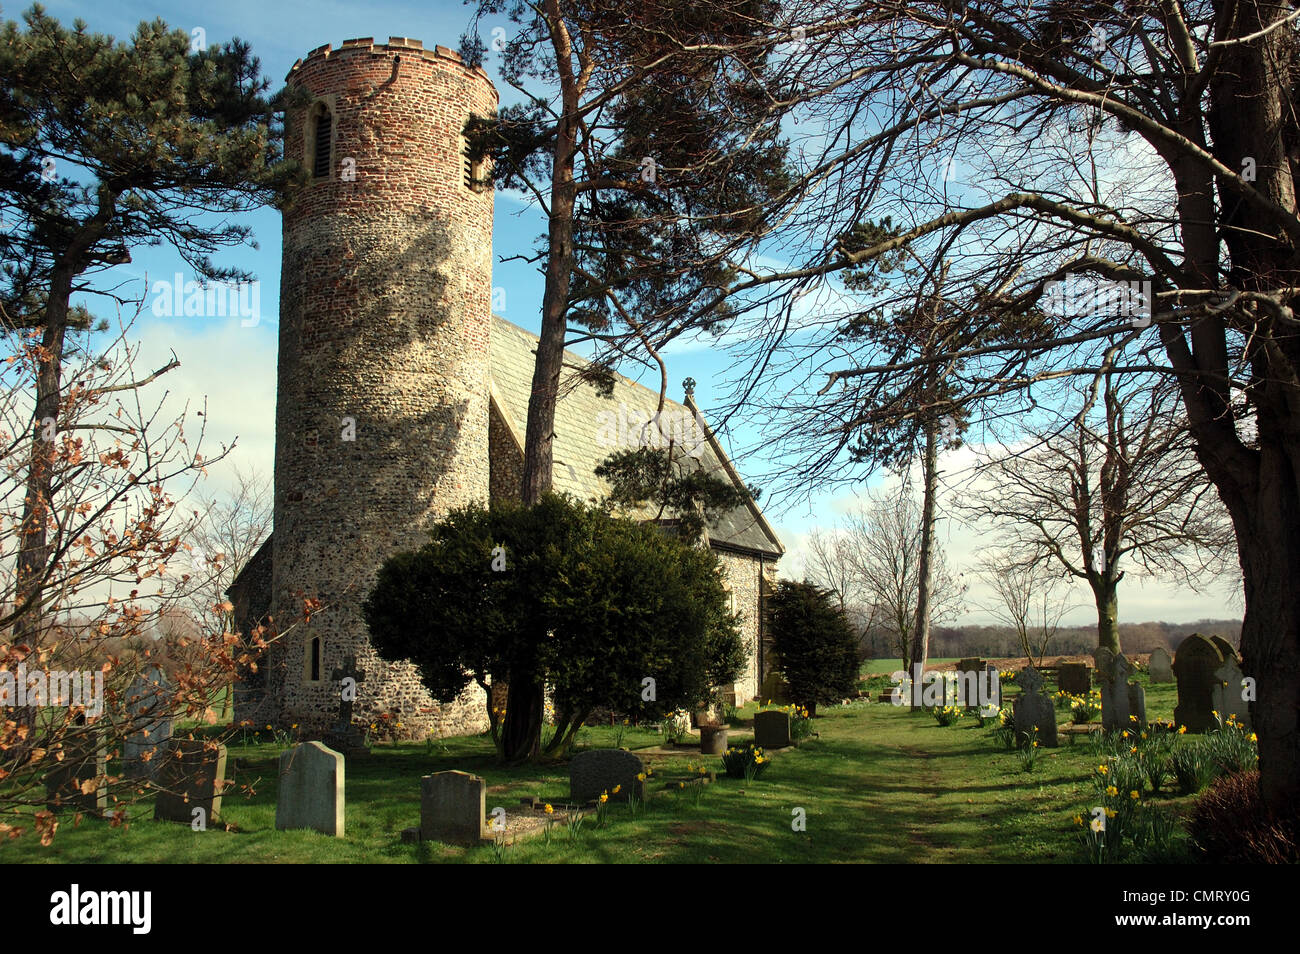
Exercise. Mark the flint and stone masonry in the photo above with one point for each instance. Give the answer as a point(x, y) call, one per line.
point(385, 314)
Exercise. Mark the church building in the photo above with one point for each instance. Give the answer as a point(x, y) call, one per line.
point(400, 396)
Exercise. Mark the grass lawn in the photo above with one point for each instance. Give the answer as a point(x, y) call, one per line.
point(880, 784)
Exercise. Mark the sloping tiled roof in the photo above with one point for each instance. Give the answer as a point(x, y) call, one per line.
point(585, 421)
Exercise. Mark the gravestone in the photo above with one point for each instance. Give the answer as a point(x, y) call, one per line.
point(1113, 670)
point(1195, 663)
point(343, 735)
point(969, 685)
point(1033, 709)
point(311, 789)
point(1227, 693)
point(1160, 667)
point(772, 729)
point(598, 771)
point(1223, 646)
point(84, 758)
point(453, 808)
point(992, 688)
point(713, 739)
point(1073, 678)
point(1137, 706)
point(148, 709)
point(191, 775)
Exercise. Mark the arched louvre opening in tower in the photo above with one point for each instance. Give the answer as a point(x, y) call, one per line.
point(321, 164)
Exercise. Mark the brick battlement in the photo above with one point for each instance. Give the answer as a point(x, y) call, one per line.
point(397, 45)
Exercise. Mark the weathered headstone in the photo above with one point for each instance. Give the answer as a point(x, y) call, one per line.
point(453, 808)
point(713, 739)
point(598, 771)
point(149, 712)
point(343, 735)
point(1073, 678)
point(991, 687)
point(1137, 706)
point(191, 775)
point(311, 789)
point(1227, 693)
point(1195, 663)
point(1113, 670)
point(772, 729)
point(67, 782)
point(970, 672)
point(1033, 709)
point(1222, 645)
point(1161, 666)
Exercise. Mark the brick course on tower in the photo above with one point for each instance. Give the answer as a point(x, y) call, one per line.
point(382, 408)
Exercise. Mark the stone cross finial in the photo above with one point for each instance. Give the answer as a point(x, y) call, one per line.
point(689, 387)
point(1031, 680)
point(347, 671)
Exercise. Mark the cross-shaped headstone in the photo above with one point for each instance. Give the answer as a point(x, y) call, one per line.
point(1030, 680)
point(348, 670)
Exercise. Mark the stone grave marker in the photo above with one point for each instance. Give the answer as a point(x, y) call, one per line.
point(1195, 663)
point(1073, 678)
point(343, 735)
point(1137, 706)
point(713, 739)
point(1033, 709)
point(191, 775)
point(1161, 668)
point(969, 684)
point(147, 703)
point(772, 729)
point(1113, 670)
point(1225, 647)
point(311, 789)
point(453, 808)
point(84, 759)
point(597, 771)
point(1227, 691)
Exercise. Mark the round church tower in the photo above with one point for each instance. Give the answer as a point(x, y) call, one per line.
point(382, 412)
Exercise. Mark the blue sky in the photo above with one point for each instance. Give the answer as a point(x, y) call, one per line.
point(230, 365)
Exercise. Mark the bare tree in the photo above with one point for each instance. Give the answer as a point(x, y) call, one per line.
point(829, 564)
point(1150, 144)
point(1027, 599)
point(884, 541)
point(230, 529)
point(1121, 486)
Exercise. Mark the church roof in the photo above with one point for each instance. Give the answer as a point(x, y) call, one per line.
point(590, 427)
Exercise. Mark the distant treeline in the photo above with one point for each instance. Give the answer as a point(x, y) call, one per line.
point(997, 641)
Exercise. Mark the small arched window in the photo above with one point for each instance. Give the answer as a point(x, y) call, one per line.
point(320, 129)
point(314, 656)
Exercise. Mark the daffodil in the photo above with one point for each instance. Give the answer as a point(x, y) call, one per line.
point(1134, 795)
point(548, 809)
point(1112, 791)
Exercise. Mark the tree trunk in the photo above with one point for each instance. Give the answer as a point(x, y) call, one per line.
point(921, 633)
point(34, 547)
point(1105, 594)
point(1270, 636)
point(525, 697)
point(521, 735)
